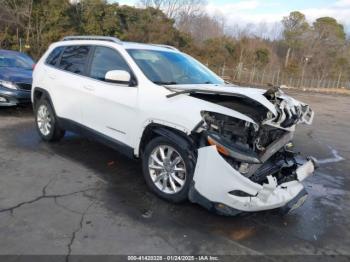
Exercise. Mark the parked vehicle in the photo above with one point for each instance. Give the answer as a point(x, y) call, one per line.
point(15, 78)
point(223, 146)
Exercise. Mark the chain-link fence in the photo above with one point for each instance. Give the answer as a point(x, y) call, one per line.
point(278, 78)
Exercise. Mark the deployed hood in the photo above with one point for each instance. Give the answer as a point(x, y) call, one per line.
point(229, 90)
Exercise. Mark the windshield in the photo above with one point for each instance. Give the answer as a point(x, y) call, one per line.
point(171, 68)
point(16, 60)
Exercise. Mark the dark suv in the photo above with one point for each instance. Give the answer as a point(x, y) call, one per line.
point(16, 70)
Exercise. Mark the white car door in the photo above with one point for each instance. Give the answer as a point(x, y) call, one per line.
point(109, 108)
point(66, 85)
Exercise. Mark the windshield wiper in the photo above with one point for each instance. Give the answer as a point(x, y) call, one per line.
point(165, 83)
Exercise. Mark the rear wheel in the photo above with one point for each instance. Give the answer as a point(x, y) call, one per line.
point(46, 122)
point(168, 169)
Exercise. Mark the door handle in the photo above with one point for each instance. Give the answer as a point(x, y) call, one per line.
point(89, 88)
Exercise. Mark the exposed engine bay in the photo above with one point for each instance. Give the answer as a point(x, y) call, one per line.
point(260, 150)
point(244, 144)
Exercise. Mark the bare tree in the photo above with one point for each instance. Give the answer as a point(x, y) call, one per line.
point(202, 27)
point(326, 45)
point(175, 8)
point(16, 14)
point(295, 26)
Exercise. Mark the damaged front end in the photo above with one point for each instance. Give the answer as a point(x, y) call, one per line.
point(250, 165)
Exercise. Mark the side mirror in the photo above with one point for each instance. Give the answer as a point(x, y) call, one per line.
point(118, 76)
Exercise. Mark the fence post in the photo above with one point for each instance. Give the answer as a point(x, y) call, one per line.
point(262, 77)
point(223, 70)
point(251, 78)
point(239, 71)
point(278, 76)
point(339, 77)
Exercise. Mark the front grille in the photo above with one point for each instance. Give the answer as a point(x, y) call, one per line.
point(24, 86)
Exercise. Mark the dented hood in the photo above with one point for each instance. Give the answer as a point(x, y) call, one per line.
point(285, 110)
point(230, 90)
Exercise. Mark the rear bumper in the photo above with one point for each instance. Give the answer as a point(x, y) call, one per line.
point(14, 97)
point(214, 179)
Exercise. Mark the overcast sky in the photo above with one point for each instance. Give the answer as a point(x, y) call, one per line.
point(271, 11)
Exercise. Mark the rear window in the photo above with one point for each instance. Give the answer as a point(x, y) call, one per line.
point(53, 57)
point(74, 59)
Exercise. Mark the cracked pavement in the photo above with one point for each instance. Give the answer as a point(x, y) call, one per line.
point(80, 197)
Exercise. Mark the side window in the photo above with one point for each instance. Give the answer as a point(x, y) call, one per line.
point(54, 56)
point(106, 59)
point(74, 59)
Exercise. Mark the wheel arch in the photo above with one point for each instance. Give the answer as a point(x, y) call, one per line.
point(154, 130)
point(39, 93)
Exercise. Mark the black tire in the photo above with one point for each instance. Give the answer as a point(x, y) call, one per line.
point(55, 132)
point(189, 160)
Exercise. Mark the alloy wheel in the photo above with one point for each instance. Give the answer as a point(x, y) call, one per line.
point(167, 169)
point(44, 120)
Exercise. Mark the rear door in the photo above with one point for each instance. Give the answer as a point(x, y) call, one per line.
point(67, 82)
point(110, 107)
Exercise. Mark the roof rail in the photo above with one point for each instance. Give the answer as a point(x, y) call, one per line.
point(166, 46)
point(92, 37)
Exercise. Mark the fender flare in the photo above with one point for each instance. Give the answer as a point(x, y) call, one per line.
point(181, 141)
point(176, 135)
point(46, 95)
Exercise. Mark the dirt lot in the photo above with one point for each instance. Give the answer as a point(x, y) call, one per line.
point(79, 197)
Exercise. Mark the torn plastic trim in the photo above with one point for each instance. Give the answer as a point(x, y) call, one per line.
point(214, 178)
point(305, 169)
point(286, 113)
point(307, 116)
point(290, 111)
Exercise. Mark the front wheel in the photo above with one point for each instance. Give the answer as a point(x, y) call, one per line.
point(168, 169)
point(46, 122)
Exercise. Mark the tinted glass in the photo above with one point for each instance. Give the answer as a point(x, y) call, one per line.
point(54, 56)
point(74, 59)
point(19, 60)
point(106, 59)
point(163, 67)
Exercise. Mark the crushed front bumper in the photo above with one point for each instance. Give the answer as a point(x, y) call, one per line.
point(215, 179)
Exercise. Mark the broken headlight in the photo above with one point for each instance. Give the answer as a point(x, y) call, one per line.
point(232, 137)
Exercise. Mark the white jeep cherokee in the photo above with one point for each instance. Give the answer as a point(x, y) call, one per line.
point(225, 147)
